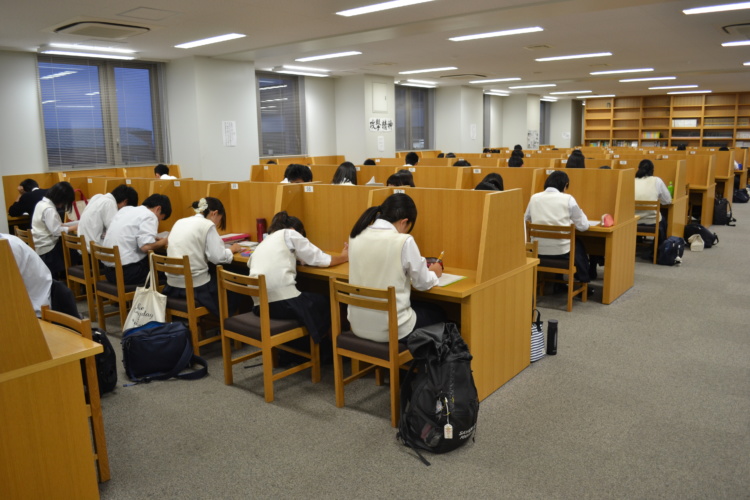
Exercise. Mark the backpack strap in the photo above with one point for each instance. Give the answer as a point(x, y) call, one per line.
point(403, 430)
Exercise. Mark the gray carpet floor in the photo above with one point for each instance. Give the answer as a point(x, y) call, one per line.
point(648, 397)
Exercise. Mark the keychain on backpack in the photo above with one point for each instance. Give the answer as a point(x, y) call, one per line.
point(447, 428)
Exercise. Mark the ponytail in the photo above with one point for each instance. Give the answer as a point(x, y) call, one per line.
point(283, 220)
point(396, 207)
point(206, 205)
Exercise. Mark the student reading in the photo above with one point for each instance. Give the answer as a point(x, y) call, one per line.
point(651, 188)
point(47, 226)
point(101, 209)
point(198, 238)
point(382, 254)
point(276, 257)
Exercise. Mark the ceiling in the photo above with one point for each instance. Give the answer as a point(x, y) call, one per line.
point(639, 33)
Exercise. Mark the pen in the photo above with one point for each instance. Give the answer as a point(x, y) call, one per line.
point(440, 257)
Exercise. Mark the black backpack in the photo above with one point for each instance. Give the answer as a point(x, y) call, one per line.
point(439, 403)
point(723, 212)
point(670, 251)
point(740, 196)
point(106, 362)
point(709, 239)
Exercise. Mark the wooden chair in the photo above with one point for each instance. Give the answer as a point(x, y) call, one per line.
point(261, 332)
point(559, 265)
point(646, 230)
point(93, 401)
point(186, 308)
point(25, 236)
point(392, 355)
point(106, 292)
point(81, 274)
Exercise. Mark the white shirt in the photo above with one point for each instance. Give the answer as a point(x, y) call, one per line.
point(167, 177)
point(96, 218)
point(46, 226)
point(554, 208)
point(132, 228)
point(35, 273)
point(184, 239)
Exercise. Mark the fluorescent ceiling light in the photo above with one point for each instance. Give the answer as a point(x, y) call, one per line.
point(305, 68)
point(576, 56)
point(91, 47)
point(747, 63)
point(329, 56)
point(58, 75)
point(425, 82)
point(653, 79)
point(273, 87)
point(377, 7)
point(533, 86)
point(497, 94)
point(495, 80)
point(499, 90)
point(545, 99)
point(674, 87)
point(736, 44)
point(717, 8)
point(407, 84)
point(572, 92)
point(429, 70)
point(517, 31)
point(86, 54)
point(616, 71)
point(691, 92)
point(301, 73)
point(208, 41)
point(594, 96)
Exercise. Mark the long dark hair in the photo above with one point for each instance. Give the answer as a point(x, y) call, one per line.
point(576, 160)
point(645, 169)
point(283, 220)
point(496, 179)
point(213, 204)
point(396, 207)
point(62, 195)
point(346, 172)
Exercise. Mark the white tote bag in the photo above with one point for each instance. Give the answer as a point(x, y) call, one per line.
point(148, 303)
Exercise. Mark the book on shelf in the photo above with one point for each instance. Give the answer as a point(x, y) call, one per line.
point(651, 135)
point(684, 122)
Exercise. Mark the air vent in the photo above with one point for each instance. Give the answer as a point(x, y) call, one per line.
point(538, 47)
point(102, 30)
point(742, 30)
point(464, 76)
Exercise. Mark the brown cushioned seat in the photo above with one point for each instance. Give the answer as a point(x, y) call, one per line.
point(348, 340)
point(249, 324)
point(77, 271)
point(559, 263)
point(107, 287)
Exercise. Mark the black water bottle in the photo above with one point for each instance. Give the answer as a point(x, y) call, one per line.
point(552, 337)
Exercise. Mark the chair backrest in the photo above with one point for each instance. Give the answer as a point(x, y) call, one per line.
point(177, 266)
point(105, 254)
point(25, 236)
point(78, 325)
point(537, 231)
point(74, 242)
point(368, 298)
point(647, 206)
point(246, 285)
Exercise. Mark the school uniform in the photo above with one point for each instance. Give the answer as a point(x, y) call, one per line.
point(554, 208)
point(46, 227)
point(165, 177)
point(197, 238)
point(380, 257)
point(276, 258)
point(96, 218)
point(27, 202)
point(130, 229)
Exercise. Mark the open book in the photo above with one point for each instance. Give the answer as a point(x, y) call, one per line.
point(447, 279)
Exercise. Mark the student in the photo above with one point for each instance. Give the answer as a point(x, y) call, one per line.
point(29, 195)
point(134, 231)
point(441, 155)
point(369, 161)
point(556, 208)
point(401, 178)
point(518, 147)
point(494, 179)
point(461, 163)
point(486, 186)
point(681, 147)
point(296, 174)
point(198, 238)
point(161, 171)
point(345, 174)
point(101, 209)
point(271, 162)
point(515, 161)
point(651, 188)
point(46, 225)
point(383, 254)
point(450, 155)
point(412, 159)
point(576, 160)
point(276, 257)
point(42, 289)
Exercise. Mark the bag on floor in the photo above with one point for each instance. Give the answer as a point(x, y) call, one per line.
point(670, 251)
point(439, 403)
point(106, 362)
point(537, 337)
point(160, 351)
point(709, 239)
point(148, 304)
point(723, 212)
point(740, 196)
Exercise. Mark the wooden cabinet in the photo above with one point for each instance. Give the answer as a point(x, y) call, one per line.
point(695, 120)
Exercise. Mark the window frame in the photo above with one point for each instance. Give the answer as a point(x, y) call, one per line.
point(409, 110)
point(297, 113)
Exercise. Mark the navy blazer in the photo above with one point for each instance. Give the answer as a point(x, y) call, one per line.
point(27, 203)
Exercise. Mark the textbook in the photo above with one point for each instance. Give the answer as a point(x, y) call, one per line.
point(447, 279)
point(235, 237)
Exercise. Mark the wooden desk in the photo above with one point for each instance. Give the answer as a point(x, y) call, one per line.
point(724, 175)
point(617, 245)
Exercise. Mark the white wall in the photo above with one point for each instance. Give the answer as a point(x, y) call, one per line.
point(533, 116)
point(320, 116)
point(561, 123)
point(459, 119)
point(22, 148)
point(202, 93)
point(372, 148)
point(496, 121)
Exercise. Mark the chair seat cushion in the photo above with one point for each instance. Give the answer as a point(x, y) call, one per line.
point(646, 228)
point(248, 324)
point(107, 287)
point(179, 304)
point(349, 341)
point(77, 272)
point(556, 262)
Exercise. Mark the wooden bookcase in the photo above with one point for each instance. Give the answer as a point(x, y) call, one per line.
point(695, 120)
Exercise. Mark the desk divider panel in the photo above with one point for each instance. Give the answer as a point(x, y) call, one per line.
point(93, 172)
point(524, 179)
point(245, 202)
point(102, 185)
point(436, 177)
point(536, 162)
point(326, 160)
point(701, 170)
point(182, 193)
point(380, 172)
point(11, 182)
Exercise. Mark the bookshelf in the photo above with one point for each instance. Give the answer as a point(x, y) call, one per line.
point(695, 120)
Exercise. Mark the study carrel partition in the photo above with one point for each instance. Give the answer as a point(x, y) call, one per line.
point(524, 179)
point(701, 180)
point(245, 202)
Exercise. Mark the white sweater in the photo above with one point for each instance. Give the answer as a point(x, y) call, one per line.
point(375, 261)
point(553, 208)
point(188, 237)
point(273, 259)
point(45, 238)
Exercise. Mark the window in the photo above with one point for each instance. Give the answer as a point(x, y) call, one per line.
point(413, 118)
point(281, 109)
point(100, 113)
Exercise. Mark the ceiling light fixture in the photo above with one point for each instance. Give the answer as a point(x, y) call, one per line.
point(301, 73)
point(572, 92)
point(736, 44)
point(495, 80)
point(575, 56)
point(86, 54)
point(654, 79)
point(616, 71)
point(208, 41)
point(329, 56)
point(500, 91)
point(429, 70)
point(114, 50)
point(674, 87)
point(273, 87)
point(717, 8)
point(691, 92)
point(594, 96)
point(497, 94)
point(517, 31)
point(305, 68)
point(426, 82)
point(407, 84)
point(746, 64)
point(534, 86)
point(545, 99)
point(377, 7)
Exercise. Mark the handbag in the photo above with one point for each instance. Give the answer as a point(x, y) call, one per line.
point(537, 337)
point(148, 303)
point(78, 206)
